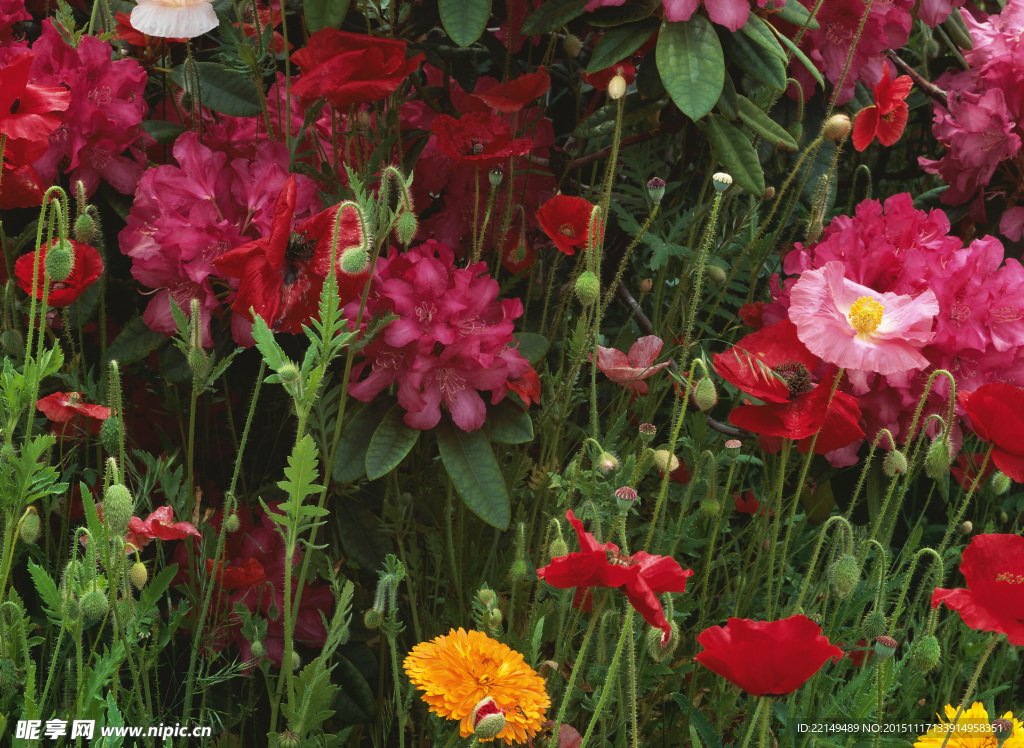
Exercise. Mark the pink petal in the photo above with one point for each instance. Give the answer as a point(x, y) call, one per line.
point(680, 10)
point(644, 351)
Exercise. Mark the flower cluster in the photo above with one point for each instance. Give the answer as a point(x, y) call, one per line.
point(450, 340)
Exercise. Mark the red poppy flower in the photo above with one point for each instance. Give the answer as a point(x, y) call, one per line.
point(996, 411)
point(766, 658)
point(643, 576)
point(87, 268)
point(517, 254)
point(746, 503)
point(527, 387)
point(75, 418)
point(512, 96)
point(28, 113)
point(350, 68)
point(887, 118)
point(774, 366)
point(631, 369)
point(752, 314)
point(241, 574)
point(159, 525)
point(282, 274)
point(602, 78)
point(566, 220)
point(478, 139)
point(22, 187)
point(993, 566)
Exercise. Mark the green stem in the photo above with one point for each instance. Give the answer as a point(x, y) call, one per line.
point(971, 686)
point(610, 679)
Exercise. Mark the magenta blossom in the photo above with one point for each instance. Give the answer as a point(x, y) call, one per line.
point(732, 14)
point(631, 369)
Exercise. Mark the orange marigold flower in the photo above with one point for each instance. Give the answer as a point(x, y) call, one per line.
point(458, 670)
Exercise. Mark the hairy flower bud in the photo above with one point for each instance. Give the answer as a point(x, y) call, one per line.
point(844, 575)
point(558, 548)
point(588, 288)
point(288, 373)
point(572, 45)
point(488, 719)
point(705, 396)
point(837, 127)
point(710, 507)
point(110, 435)
point(86, 225)
point(29, 529)
point(653, 641)
point(232, 523)
point(519, 570)
point(139, 575)
point(493, 618)
point(60, 260)
point(1000, 483)
point(607, 462)
point(12, 343)
point(895, 463)
point(646, 285)
point(926, 654)
point(94, 604)
point(354, 260)
point(372, 619)
point(938, 458)
point(769, 193)
point(117, 509)
point(487, 597)
point(874, 625)
point(198, 362)
point(967, 528)
point(716, 274)
point(258, 650)
point(665, 461)
point(406, 227)
point(616, 87)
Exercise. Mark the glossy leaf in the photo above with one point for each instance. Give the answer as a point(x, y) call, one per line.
point(322, 14)
point(764, 125)
point(737, 154)
point(619, 43)
point(552, 15)
point(475, 473)
point(390, 443)
point(464, 20)
point(692, 65)
point(223, 90)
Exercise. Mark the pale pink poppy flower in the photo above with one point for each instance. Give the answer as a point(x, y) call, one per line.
point(174, 19)
point(629, 370)
point(856, 327)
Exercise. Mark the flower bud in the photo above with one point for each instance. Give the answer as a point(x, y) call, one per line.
point(558, 548)
point(1004, 517)
point(487, 597)
point(607, 462)
point(117, 509)
point(938, 458)
point(493, 618)
point(895, 463)
point(572, 45)
point(665, 461)
point(885, 647)
point(519, 570)
point(29, 530)
point(837, 127)
point(874, 625)
point(716, 274)
point(257, 650)
point(288, 373)
point(288, 739)
point(295, 660)
point(406, 227)
point(198, 362)
point(94, 604)
point(139, 575)
point(967, 528)
point(616, 87)
point(843, 576)
point(495, 175)
point(488, 719)
point(658, 651)
point(721, 180)
point(372, 619)
point(60, 260)
point(12, 343)
point(625, 497)
point(588, 288)
point(704, 394)
point(354, 260)
point(1000, 483)
point(710, 507)
point(769, 193)
point(232, 523)
point(926, 654)
point(656, 189)
point(110, 435)
point(646, 285)
point(86, 225)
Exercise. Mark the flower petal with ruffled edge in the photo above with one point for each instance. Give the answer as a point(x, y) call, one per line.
point(996, 411)
point(174, 19)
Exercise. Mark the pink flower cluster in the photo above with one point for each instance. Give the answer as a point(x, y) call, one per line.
point(185, 216)
point(980, 126)
point(896, 249)
point(732, 14)
point(450, 340)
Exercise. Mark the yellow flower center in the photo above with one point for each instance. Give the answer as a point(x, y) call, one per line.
point(866, 314)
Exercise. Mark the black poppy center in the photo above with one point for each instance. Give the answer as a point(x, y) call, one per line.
point(795, 376)
point(300, 248)
point(15, 104)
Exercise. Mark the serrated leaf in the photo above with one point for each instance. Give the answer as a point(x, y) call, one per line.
point(620, 42)
point(350, 457)
point(299, 475)
point(223, 90)
point(470, 462)
point(47, 589)
point(323, 14)
point(698, 721)
point(552, 15)
point(391, 442)
point(508, 424)
point(155, 588)
point(692, 65)
point(764, 125)
point(737, 154)
point(464, 20)
point(272, 353)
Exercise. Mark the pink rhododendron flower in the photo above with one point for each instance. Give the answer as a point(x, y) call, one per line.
point(732, 14)
point(631, 369)
point(934, 12)
point(11, 11)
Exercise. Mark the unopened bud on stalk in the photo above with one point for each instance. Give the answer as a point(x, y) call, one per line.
point(704, 394)
point(814, 229)
point(406, 227)
point(588, 288)
point(117, 509)
point(722, 181)
point(139, 575)
point(616, 87)
point(658, 651)
point(86, 225)
point(199, 362)
point(494, 617)
point(29, 530)
point(844, 575)
point(874, 625)
point(12, 343)
point(288, 373)
point(769, 193)
point(519, 570)
point(656, 189)
point(110, 435)
point(926, 654)
point(967, 528)
point(258, 650)
point(607, 462)
point(938, 458)
point(60, 260)
point(94, 603)
point(665, 461)
point(488, 719)
point(716, 274)
point(837, 127)
point(572, 45)
point(646, 285)
point(710, 507)
point(1000, 483)
point(232, 523)
point(354, 260)
point(895, 463)
point(372, 619)
point(558, 548)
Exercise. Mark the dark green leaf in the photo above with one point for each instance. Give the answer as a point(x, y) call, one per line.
point(611, 16)
point(552, 15)
point(355, 704)
point(162, 132)
point(648, 81)
point(475, 473)
point(620, 42)
point(223, 90)
point(602, 122)
point(759, 62)
point(350, 457)
point(692, 65)
point(52, 602)
point(322, 14)
point(464, 20)
point(508, 424)
point(133, 344)
point(737, 154)
point(390, 444)
point(697, 719)
point(764, 125)
point(796, 14)
point(532, 346)
point(727, 101)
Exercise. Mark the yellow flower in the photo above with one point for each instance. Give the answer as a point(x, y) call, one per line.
point(973, 730)
point(458, 670)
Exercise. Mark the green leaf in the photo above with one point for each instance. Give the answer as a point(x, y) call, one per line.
point(611, 16)
point(691, 64)
point(464, 20)
point(552, 15)
point(156, 587)
point(758, 62)
point(796, 14)
point(162, 132)
point(699, 722)
point(798, 53)
point(355, 704)
point(390, 443)
point(475, 473)
point(52, 603)
point(620, 42)
point(272, 353)
point(314, 693)
point(223, 90)
point(727, 101)
point(532, 346)
point(760, 33)
point(764, 125)
point(322, 14)
point(508, 424)
point(350, 457)
point(602, 122)
point(299, 475)
point(133, 344)
point(737, 154)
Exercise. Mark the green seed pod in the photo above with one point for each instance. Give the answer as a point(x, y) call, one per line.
point(705, 396)
point(844, 575)
point(372, 619)
point(354, 260)
point(139, 575)
point(927, 653)
point(652, 640)
point(895, 463)
point(874, 625)
point(198, 362)
point(30, 526)
point(117, 509)
point(110, 435)
point(885, 647)
point(288, 739)
point(588, 288)
point(12, 343)
point(406, 227)
point(938, 458)
point(94, 604)
point(60, 260)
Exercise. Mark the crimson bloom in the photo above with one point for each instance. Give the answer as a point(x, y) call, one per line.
point(774, 366)
point(74, 416)
point(479, 139)
point(241, 575)
point(283, 274)
point(512, 96)
point(631, 369)
point(887, 118)
point(996, 411)
point(87, 268)
point(766, 658)
point(28, 113)
point(993, 566)
point(159, 525)
point(349, 68)
point(566, 220)
point(643, 576)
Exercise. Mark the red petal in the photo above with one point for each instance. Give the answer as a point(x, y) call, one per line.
point(890, 126)
point(865, 127)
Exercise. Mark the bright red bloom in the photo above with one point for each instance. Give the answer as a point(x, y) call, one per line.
point(631, 369)
point(887, 118)
point(22, 187)
point(566, 220)
point(602, 78)
point(527, 387)
point(774, 366)
point(28, 113)
point(746, 503)
point(478, 139)
point(643, 576)
point(996, 411)
point(76, 418)
point(751, 314)
point(88, 267)
point(159, 525)
point(517, 254)
point(240, 575)
point(512, 96)
point(283, 274)
point(350, 68)
point(766, 658)
point(993, 566)
point(965, 471)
